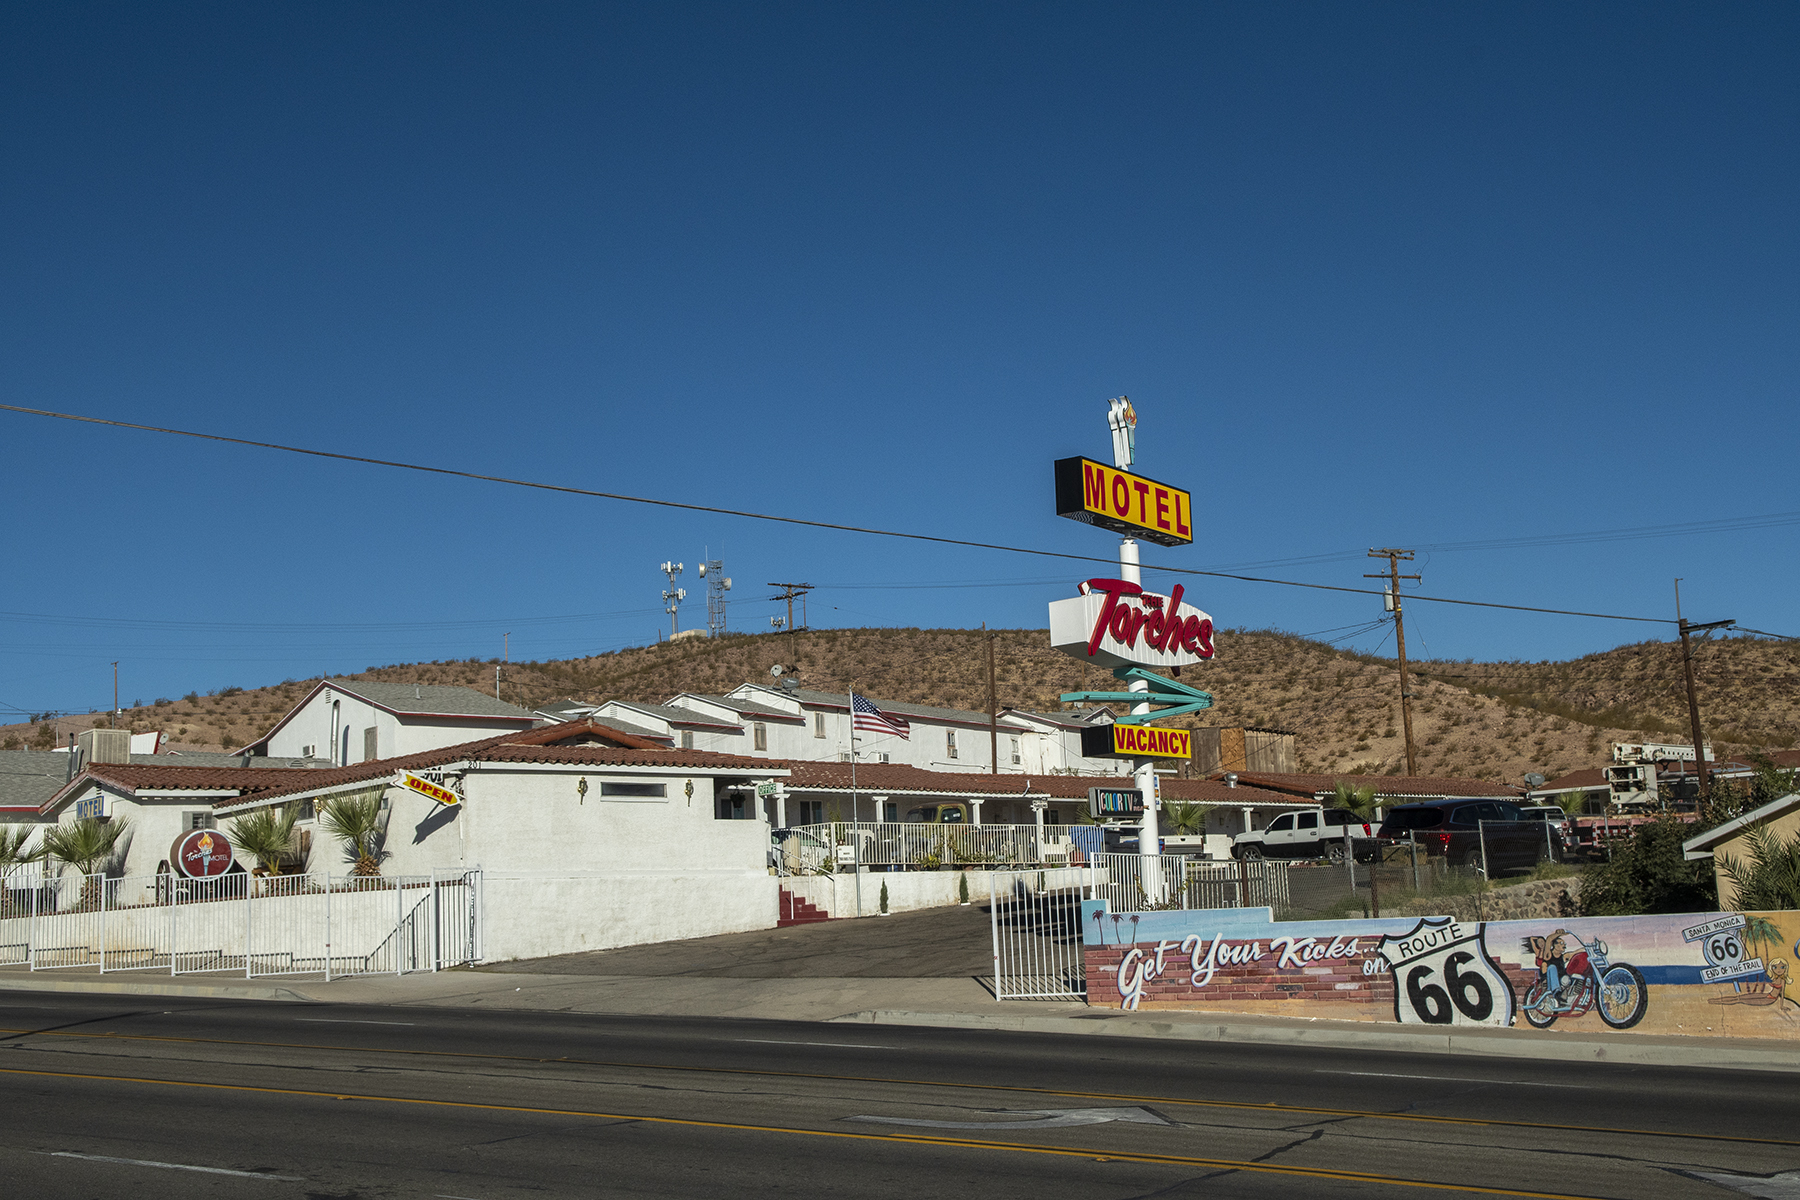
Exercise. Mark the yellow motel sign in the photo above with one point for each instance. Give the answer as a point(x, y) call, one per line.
point(1130, 504)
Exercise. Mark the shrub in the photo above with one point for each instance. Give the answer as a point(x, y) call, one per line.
point(1649, 875)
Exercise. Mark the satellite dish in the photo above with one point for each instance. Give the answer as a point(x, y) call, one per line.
point(778, 670)
point(703, 570)
point(1534, 780)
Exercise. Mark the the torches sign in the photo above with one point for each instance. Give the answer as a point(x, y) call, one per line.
point(201, 854)
point(1117, 624)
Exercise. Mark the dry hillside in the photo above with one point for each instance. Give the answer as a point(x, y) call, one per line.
point(1487, 720)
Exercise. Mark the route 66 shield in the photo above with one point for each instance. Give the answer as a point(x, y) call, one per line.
point(1444, 976)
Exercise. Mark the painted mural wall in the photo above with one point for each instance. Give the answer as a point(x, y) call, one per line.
point(1707, 974)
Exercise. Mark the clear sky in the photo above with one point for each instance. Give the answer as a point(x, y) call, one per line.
point(1396, 274)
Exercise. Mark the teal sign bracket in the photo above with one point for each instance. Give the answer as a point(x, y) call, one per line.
point(1179, 698)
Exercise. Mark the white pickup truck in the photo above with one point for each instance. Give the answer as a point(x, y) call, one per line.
point(1308, 833)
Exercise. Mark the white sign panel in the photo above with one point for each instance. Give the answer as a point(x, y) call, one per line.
point(1443, 976)
point(1117, 624)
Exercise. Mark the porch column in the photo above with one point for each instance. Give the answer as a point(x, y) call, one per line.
point(977, 810)
point(780, 805)
point(1246, 820)
point(1037, 813)
point(880, 803)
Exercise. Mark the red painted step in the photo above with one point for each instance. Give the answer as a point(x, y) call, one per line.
point(793, 910)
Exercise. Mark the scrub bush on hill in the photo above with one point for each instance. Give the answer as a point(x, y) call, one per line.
point(1649, 875)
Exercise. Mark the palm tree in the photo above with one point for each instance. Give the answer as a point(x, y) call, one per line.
point(85, 844)
point(1770, 881)
point(1359, 800)
point(267, 835)
point(1188, 819)
point(357, 821)
point(13, 855)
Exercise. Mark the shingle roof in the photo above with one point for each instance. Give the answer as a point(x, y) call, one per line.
point(749, 708)
point(422, 699)
point(676, 716)
point(28, 778)
point(928, 711)
point(1413, 786)
point(1586, 778)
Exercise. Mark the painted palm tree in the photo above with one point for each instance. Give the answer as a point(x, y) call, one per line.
point(86, 844)
point(267, 835)
point(358, 822)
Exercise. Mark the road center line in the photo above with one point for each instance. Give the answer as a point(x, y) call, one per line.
point(346, 1021)
point(1456, 1079)
point(836, 1045)
point(146, 1162)
point(1108, 1154)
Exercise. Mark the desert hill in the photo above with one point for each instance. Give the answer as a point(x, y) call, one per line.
point(1486, 720)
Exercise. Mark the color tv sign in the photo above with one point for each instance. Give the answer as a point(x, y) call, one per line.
point(1117, 624)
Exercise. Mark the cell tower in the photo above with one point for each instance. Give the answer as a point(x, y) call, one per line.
point(717, 584)
point(673, 597)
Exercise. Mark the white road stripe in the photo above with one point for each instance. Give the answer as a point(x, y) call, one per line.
point(329, 1021)
point(145, 1162)
point(836, 1045)
point(1455, 1079)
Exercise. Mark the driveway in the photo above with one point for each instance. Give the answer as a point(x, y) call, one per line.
point(933, 943)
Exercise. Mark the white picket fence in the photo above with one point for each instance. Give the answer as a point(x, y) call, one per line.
point(1036, 915)
point(329, 925)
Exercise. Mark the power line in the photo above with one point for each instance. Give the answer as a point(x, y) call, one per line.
point(755, 516)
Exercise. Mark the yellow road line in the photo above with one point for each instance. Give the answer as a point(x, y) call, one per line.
point(896, 1138)
point(1278, 1109)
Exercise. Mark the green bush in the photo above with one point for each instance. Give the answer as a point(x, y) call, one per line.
point(1649, 875)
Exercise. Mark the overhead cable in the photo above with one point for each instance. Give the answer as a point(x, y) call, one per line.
point(756, 516)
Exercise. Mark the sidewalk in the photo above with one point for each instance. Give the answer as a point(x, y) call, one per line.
point(924, 969)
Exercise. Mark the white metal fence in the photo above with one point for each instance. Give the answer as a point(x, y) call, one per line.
point(328, 925)
point(1036, 914)
point(839, 845)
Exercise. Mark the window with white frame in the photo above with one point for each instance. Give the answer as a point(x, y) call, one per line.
point(761, 733)
point(818, 724)
point(1015, 751)
point(950, 743)
point(687, 739)
point(199, 820)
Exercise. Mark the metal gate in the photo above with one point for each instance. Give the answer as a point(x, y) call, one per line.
point(1036, 915)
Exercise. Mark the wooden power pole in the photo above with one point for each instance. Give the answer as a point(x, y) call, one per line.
point(1393, 576)
point(1693, 698)
point(993, 704)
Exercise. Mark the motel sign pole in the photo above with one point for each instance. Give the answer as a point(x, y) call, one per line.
point(1121, 418)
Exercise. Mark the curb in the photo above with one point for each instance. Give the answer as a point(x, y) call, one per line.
point(193, 991)
point(1750, 1056)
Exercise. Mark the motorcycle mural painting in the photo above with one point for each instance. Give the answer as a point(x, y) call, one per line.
point(1706, 974)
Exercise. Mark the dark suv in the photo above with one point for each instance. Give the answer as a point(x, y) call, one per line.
point(1457, 828)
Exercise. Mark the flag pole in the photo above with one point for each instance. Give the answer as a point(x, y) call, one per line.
point(855, 817)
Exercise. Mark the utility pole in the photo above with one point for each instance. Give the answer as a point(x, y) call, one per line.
point(1687, 666)
point(993, 703)
point(112, 721)
point(1393, 576)
point(788, 592)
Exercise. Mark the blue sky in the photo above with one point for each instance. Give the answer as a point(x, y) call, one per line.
point(1373, 275)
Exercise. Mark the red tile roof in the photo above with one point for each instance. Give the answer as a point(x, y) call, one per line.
point(900, 778)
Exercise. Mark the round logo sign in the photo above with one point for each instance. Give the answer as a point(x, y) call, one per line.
point(201, 854)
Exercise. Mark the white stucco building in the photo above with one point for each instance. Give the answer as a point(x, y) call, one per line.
point(348, 721)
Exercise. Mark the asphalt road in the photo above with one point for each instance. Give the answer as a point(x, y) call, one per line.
point(148, 1097)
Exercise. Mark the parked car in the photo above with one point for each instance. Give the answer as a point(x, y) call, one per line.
point(1456, 830)
point(1547, 812)
point(1313, 833)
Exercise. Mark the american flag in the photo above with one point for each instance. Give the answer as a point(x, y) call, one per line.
point(866, 717)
